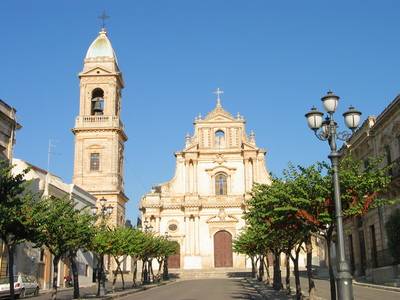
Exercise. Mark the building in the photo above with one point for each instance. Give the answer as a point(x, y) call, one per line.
point(201, 208)
point(366, 238)
point(38, 262)
point(99, 131)
point(8, 127)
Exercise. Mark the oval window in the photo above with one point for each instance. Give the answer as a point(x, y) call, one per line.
point(173, 227)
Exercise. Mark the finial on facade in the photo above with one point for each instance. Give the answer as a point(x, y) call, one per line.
point(238, 116)
point(252, 137)
point(103, 18)
point(218, 92)
point(187, 139)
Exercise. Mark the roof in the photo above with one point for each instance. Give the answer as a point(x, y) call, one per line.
point(101, 47)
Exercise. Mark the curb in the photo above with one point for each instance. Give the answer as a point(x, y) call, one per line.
point(138, 290)
point(117, 294)
point(377, 286)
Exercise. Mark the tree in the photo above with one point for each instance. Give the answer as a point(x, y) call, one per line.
point(14, 198)
point(120, 239)
point(393, 232)
point(61, 228)
point(80, 239)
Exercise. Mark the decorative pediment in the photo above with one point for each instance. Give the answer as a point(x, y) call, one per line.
point(220, 168)
point(219, 115)
point(248, 146)
point(222, 217)
point(97, 71)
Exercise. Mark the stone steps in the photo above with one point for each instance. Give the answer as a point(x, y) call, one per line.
point(209, 273)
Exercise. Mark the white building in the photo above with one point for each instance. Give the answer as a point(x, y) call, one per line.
point(38, 261)
point(201, 208)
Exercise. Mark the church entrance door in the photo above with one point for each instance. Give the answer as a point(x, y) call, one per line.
point(223, 249)
point(174, 261)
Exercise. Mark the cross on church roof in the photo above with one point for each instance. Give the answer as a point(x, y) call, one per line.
point(218, 92)
point(103, 18)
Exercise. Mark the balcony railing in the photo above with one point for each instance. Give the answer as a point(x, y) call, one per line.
point(98, 122)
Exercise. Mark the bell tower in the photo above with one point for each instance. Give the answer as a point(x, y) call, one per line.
point(99, 132)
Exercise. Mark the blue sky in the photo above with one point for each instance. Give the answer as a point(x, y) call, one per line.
point(273, 59)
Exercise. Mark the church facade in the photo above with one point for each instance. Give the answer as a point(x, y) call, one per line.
point(201, 208)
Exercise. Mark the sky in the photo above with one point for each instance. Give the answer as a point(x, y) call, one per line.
point(273, 59)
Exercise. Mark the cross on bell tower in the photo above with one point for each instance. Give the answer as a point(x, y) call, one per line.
point(103, 18)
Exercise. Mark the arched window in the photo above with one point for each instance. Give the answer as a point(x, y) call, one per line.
point(221, 184)
point(219, 138)
point(97, 107)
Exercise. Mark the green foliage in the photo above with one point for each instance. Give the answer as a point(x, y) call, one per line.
point(60, 227)
point(14, 198)
point(393, 232)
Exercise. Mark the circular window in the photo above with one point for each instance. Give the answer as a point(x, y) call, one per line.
point(173, 227)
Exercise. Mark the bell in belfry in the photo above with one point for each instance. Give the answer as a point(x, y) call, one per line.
point(97, 104)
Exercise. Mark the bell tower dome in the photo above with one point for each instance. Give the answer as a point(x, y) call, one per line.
point(99, 131)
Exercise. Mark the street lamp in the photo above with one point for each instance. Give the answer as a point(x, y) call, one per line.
point(165, 270)
point(326, 130)
point(146, 275)
point(104, 212)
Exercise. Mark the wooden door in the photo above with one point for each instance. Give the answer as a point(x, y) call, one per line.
point(223, 249)
point(174, 261)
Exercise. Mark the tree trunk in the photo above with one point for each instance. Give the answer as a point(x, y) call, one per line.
point(261, 269)
point(331, 274)
point(295, 260)
point(253, 267)
point(151, 272)
point(143, 271)
point(10, 250)
point(100, 273)
point(266, 266)
point(75, 275)
point(287, 281)
point(160, 265)
point(134, 273)
point(311, 284)
point(56, 260)
point(277, 285)
point(115, 273)
point(122, 276)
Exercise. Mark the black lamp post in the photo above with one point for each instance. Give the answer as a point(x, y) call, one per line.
point(104, 212)
point(165, 270)
point(146, 275)
point(326, 130)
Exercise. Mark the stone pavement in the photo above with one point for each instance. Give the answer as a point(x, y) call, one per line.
point(364, 292)
point(89, 292)
point(201, 289)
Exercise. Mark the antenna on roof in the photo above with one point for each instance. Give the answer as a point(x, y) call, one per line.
point(49, 153)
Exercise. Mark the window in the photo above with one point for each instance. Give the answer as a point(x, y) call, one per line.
point(219, 138)
point(172, 227)
point(97, 105)
point(221, 184)
point(94, 161)
point(388, 155)
point(41, 256)
point(374, 252)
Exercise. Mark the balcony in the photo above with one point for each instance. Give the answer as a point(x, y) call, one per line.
point(98, 122)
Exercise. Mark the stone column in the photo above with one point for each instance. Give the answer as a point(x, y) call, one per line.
point(157, 229)
point(246, 175)
point(187, 236)
point(197, 235)
point(192, 236)
point(187, 177)
point(195, 183)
